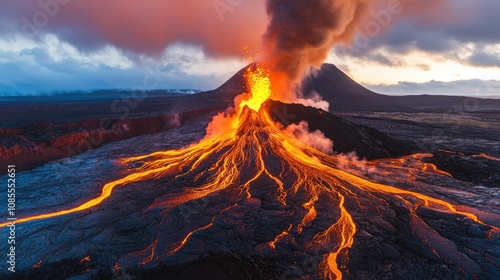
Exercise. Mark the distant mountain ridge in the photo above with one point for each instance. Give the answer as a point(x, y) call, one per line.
point(97, 94)
point(345, 94)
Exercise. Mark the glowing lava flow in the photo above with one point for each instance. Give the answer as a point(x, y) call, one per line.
point(487, 157)
point(253, 148)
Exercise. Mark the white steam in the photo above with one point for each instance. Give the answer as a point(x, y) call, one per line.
point(315, 139)
point(351, 163)
point(314, 100)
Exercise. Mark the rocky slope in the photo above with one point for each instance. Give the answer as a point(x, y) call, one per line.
point(156, 229)
point(131, 233)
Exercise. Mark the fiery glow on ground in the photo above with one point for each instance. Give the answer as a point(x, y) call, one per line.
point(254, 143)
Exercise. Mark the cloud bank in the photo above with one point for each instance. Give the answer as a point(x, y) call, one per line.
point(113, 40)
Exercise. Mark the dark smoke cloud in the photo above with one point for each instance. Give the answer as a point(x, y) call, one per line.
point(301, 33)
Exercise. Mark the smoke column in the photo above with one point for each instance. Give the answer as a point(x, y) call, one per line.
point(302, 33)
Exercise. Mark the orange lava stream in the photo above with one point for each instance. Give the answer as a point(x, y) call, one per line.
point(487, 157)
point(250, 143)
point(272, 243)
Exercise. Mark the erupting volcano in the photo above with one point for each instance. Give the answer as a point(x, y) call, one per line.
point(252, 180)
point(247, 160)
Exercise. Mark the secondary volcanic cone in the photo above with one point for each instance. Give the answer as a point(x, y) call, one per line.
point(252, 152)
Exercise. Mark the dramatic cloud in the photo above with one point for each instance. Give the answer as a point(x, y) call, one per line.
point(483, 58)
point(96, 43)
point(42, 67)
point(433, 26)
point(221, 27)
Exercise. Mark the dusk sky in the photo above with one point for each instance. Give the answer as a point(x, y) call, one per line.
point(400, 47)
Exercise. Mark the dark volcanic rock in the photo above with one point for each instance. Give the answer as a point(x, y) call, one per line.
point(44, 142)
point(210, 267)
point(141, 218)
point(475, 169)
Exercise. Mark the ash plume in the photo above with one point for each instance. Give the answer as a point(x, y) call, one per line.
point(301, 33)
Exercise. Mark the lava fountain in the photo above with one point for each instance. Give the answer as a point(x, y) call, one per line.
point(253, 150)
